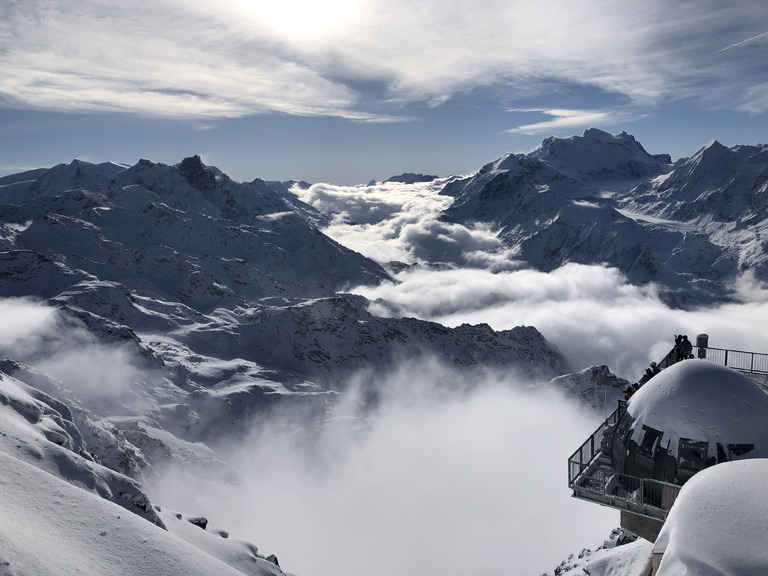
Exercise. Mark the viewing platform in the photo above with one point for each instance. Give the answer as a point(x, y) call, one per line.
point(591, 476)
point(689, 416)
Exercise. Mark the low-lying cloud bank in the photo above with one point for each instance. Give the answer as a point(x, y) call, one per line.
point(463, 274)
point(107, 378)
point(590, 312)
point(445, 475)
point(433, 482)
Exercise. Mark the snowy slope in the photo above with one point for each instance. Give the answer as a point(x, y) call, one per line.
point(720, 192)
point(62, 512)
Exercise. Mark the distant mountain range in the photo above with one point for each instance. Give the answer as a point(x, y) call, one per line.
point(226, 292)
point(691, 227)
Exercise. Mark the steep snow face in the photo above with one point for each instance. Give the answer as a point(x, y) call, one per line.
point(727, 184)
point(720, 192)
point(64, 513)
point(718, 524)
point(41, 431)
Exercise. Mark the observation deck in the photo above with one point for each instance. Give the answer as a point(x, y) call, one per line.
point(592, 477)
point(636, 462)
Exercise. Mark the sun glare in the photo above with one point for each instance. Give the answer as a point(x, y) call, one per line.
point(301, 17)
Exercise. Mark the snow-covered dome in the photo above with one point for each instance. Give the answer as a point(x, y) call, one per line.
point(690, 416)
point(718, 524)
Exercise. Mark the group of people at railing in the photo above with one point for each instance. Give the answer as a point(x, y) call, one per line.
point(682, 350)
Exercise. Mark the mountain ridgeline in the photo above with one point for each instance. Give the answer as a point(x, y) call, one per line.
point(692, 228)
point(233, 295)
point(225, 296)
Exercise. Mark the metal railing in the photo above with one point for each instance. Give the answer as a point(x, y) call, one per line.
point(643, 496)
point(591, 477)
point(736, 359)
point(593, 447)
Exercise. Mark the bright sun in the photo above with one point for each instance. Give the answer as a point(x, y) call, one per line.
point(302, 17)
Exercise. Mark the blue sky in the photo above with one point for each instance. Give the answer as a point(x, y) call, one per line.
point(346, 91)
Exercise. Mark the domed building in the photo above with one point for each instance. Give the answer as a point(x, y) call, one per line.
point(692, 415)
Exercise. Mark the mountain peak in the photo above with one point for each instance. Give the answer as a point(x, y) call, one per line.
point(598, 154)
point(411, 178)
point(603, 136)
point(506, 162)
point(197, 174)
point(714, 147)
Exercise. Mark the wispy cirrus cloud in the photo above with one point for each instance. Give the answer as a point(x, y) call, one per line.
point(169, 60)
point(235, 58)
point(566, 119)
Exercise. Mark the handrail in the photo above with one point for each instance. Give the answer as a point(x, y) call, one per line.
point(754, 362)
point(591, 447)
point(591, 477)
point(669, 359)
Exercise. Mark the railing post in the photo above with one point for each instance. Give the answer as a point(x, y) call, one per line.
point(726, 357)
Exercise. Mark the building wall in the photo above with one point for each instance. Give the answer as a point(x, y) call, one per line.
point(646, 528)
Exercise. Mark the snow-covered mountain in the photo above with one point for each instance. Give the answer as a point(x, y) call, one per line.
point(691, 227)
point(227, 293)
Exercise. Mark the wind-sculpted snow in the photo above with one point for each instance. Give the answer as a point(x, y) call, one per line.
point(41, 431)
point(63, 513)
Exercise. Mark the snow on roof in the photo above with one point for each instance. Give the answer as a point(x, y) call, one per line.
point(718, 524)
point(701, 400)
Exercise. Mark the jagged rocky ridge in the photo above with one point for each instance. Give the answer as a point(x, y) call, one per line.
point(692, 227)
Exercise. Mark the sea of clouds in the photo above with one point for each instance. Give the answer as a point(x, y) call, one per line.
point(460, 272)
point(430, 482)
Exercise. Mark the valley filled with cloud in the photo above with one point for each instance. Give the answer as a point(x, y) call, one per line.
point(456, 274)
